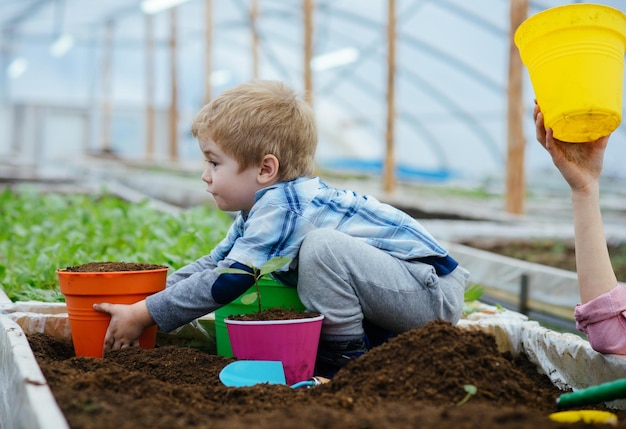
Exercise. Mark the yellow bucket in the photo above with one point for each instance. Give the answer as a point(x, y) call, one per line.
point(575, 59)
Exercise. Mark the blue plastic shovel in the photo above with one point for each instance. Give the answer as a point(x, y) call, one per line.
point(251, 372)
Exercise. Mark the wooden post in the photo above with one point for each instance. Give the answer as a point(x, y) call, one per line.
point(254, 15)
point(173, 112)
point(515, 183)
point(308, 50)
point(149, 70)
point(208, 41)
point(389, 179)
point(107, 88)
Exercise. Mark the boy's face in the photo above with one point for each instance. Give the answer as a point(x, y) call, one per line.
point(233, 190)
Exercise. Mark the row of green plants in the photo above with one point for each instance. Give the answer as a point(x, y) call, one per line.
point(40, 233)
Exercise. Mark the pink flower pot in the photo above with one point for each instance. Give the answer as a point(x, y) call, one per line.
point(293, 342)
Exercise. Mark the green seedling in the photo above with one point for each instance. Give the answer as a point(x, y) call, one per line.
point(471, 295)
point(470, 391)
point(257, 272)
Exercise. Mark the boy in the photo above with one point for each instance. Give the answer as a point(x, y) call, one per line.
point(602, 314)
point(354, 259)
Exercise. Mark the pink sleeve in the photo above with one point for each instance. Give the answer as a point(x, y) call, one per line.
point(603, 320)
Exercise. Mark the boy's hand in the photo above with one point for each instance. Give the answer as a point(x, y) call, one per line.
point(579, 163)
point(127, 324)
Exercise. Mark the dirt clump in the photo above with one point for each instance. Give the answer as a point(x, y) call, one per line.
point(551, 252)
point(110, 266)
point(274, 313)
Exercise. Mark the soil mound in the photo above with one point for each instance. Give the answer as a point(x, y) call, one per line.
point(414, 380)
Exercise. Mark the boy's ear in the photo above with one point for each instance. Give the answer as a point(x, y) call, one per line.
point(269, 170)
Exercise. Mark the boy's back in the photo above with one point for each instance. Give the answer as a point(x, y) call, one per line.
point(284, 213)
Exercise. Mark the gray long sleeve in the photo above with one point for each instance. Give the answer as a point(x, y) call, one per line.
point(188, 294)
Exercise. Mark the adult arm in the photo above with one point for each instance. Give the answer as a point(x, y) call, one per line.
point(581, 165)
point(602, 314)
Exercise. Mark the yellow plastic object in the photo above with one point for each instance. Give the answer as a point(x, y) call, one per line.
point(585, 416)
point(575, 59)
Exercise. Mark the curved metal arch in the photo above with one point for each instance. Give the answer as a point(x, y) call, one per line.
point(413, 122)
point(359, 83)
point(455, 109)
point(466, 118)
point(430, 49)
point(472, 17)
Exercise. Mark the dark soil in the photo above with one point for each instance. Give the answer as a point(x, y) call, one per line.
point(554, 253)
point(414, 380)
point(275, 313)
point(106, 267)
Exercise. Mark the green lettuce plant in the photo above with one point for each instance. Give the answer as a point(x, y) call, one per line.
point(40, 233)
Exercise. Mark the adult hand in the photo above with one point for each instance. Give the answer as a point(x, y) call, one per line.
point(127, 324)
point(579, 163)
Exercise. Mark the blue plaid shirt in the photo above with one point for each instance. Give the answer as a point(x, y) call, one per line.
point(276, 225)
point(284, 213)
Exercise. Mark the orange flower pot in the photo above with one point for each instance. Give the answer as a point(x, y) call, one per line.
point(84, 289)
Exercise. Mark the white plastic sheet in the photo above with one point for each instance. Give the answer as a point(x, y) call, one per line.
point(567, 359)
point(26, 399)
point(551, 290)
point(41, 317)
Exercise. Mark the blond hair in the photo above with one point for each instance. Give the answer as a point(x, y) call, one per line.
point(258, 118)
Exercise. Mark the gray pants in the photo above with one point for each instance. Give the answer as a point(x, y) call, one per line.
point(348, 280)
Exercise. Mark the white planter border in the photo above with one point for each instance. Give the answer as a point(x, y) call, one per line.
point(27, 401)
